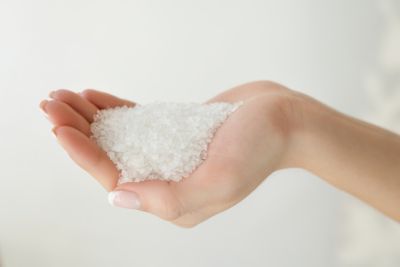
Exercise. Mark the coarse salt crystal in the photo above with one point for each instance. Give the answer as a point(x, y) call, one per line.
point(162, 140)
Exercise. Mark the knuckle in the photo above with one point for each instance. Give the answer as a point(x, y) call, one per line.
point(88, 92)
point(65, 95)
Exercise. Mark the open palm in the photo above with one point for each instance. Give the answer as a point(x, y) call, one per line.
point(245, 149)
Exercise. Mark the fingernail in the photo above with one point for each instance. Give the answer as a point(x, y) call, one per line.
point(43, 105)
point(54, 130)
point(51, 94)
point(124, 199)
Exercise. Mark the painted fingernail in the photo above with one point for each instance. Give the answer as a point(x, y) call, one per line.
point(124, 199)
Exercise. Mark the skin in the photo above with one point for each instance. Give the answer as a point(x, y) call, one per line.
point(276, 128)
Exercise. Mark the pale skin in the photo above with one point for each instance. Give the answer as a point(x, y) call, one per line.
point(276, 128)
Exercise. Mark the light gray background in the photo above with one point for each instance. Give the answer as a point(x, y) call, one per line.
point(53, 214)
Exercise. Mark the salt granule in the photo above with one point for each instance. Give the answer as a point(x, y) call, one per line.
point(165, 141)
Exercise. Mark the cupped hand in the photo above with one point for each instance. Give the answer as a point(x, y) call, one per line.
point(250, 145)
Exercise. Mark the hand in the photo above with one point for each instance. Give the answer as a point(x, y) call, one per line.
point(250, 145)
point(275, 128)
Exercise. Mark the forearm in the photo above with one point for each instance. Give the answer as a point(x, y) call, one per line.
point(355, 156)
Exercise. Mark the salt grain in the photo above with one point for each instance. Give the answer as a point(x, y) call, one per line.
point(165, 141)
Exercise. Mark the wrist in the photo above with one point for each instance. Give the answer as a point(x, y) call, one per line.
point(306, 118)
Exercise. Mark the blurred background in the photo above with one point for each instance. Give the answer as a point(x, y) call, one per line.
point(344, 53)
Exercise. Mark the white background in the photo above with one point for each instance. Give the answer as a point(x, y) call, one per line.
point(54, 214)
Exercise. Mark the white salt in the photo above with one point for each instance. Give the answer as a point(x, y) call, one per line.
point(165, 141)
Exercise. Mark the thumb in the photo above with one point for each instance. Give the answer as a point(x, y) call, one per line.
point(154, 196)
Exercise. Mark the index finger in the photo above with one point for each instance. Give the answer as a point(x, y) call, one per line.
point(104, 100)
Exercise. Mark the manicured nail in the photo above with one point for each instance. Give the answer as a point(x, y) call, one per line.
point(51, 94)
point(43, 105)
point(54, 130)
point(124, 199)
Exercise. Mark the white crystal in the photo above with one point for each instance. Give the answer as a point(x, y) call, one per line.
point(161, 140)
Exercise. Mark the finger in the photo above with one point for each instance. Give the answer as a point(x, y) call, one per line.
point(84, 152)
point(165, 200)
point(82, 106)
point(207, 191)
point(155, 196)
point(103, 100)
point(185, 203)
point(61, 114)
